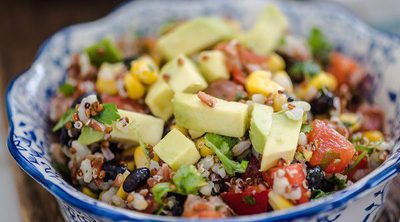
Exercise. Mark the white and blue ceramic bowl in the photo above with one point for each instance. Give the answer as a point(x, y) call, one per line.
point(28, 100)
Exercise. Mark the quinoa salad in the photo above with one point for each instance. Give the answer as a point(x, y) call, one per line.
point(210, 120)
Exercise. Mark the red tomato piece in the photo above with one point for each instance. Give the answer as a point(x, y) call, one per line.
point(333, 152)
point(342, 67)
point(248, 202)
point(295, 174)
point(125, 103)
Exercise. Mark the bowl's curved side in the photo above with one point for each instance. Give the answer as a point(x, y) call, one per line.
point(28, 96)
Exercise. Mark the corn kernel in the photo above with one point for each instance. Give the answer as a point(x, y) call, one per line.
point(351, 120)
point(140, 158)
point(146, 69)
point(106, 86)
point(323, 80)
point(180, 128)
point(156, 157)
point(373, 136)
point(106, 82)
point(89, 192)
point(203, 148)
point(121, 193)
point(275, 63)
point(279, 100)
point(260, 82)
point(283, 79)
point(278, 202)
point(133, 87)
point(130, 165)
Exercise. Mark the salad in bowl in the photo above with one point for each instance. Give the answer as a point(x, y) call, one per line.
point(211, 120)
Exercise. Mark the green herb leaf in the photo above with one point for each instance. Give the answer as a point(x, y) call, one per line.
point(357, 161)
point(160, 190)
point(319, 194)
point(368, 149)
point(339, 184)
point(250, 200)
point(188, 180)
point(108, 114)
point(66, 117)
point(306, 128)
point(89, 136)
point(67, 89)
point(320, 46)
point(219, 144)
point(304, 69)
point(103, 51)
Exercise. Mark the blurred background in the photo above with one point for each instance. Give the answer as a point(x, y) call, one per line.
point(25, 24)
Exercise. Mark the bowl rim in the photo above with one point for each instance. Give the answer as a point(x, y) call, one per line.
point(305, 210)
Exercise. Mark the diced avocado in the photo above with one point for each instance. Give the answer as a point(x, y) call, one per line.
point(225, 118)
point(177, 150)
point(141, 126)
point(212, 65)
point(260, 125)
point(158, 99)
point(89, 136)
point(103, 51)
point(195, 134)
point(267, 32)
point(183, 76)
point(281, 141)
point(193, 36)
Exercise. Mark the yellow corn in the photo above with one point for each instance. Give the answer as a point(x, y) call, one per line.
point(279, 100)
point(89, 193)
point(146, 69)
point(121, 193)
point(107, 86)
point(130, 165)
point(140, 158)
point(277, 202)
point(373, 136)
point(323, 80)
point(283, 79)
point(259, 82)
point(275, 63)
point(351, 120)
point(203, 148)
point(155, 157)
point(134, 88)
point(183, 130)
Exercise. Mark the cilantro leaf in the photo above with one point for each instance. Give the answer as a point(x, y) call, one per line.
point(320, 46)
point(66, 117)
point(89, 136)
point(160, 190)
point(108, 114)
point(306, 128)
point(357, 161)
point(67, 89)
point(221, 146)
point(315, 194)
point(103, 51)
point(188, 180)
point(304, 69)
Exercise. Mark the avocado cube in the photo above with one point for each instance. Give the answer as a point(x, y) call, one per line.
point(103, 51)
point(183, 76)
point(194, 36)
point(158, 99)
point(260, 125)
point(213, 66)
point(281, 141)
point(141, 126)
point(265, 35)
point(225, 118)
point(177, 150)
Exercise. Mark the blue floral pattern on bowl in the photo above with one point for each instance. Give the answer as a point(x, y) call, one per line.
point(28, 97)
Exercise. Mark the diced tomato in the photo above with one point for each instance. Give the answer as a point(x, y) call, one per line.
point(296, 177)
point(333, 152)
point(342, 67)
point(248, 202)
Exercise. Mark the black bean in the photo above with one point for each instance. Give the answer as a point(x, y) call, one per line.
point(112, 170)
point(315, 177)
point(179, 201)
point(322, 103)
point(136, 179)
point(65, 139)
point(79, 99)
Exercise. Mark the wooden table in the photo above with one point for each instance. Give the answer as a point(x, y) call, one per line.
point(24, 26)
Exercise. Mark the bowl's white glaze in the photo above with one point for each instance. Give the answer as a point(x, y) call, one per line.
point(28, 98)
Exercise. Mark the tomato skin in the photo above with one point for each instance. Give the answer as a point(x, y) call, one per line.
point(295, 174)
point(330, 147)
point(237, 202)
point(342, 67)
